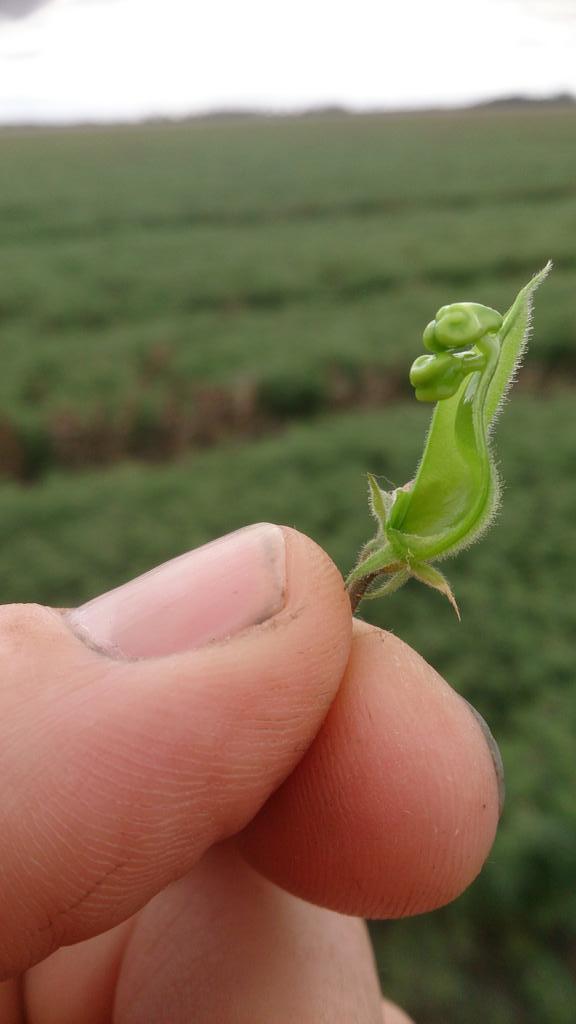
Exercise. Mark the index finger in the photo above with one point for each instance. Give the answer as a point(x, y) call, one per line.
point(394, 808)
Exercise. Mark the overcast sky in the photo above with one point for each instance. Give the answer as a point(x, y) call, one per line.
point(90, 59)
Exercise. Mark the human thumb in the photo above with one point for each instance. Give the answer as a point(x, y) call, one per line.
point(153, 721)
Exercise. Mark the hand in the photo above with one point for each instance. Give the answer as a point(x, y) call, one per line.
point(202, 772)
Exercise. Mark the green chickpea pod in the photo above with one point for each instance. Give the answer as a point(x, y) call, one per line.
point(473, 352)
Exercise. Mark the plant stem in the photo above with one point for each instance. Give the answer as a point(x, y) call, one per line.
point(357, 589)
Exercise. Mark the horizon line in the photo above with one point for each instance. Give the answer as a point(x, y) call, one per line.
point(507, 101)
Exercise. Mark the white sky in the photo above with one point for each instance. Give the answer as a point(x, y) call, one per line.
point(92, 59)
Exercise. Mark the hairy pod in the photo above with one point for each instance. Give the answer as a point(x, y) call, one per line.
point(453, 496)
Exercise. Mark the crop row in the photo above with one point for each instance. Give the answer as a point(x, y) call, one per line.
point(245, 171)
point(92, 283)
point(154, 389)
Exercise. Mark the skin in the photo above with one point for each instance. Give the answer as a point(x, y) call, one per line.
point(194, 837)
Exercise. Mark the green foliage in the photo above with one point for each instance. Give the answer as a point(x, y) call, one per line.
point(245, 172)
point(255, 257)
point(296, 394)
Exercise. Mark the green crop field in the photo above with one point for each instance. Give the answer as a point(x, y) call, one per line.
point(210, 324)
point(164, 287)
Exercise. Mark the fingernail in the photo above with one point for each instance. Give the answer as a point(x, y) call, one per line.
point(494, 754)
point(207, 594)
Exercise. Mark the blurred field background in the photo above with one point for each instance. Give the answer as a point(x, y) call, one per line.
point(210, 324)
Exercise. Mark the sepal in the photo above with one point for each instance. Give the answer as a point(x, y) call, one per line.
point(432, 577)
point(397, 580)
point(380, 502)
